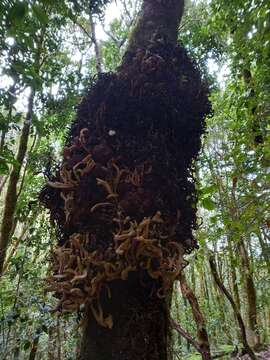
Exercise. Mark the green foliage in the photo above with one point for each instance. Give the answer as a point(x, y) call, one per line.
point(39, 45)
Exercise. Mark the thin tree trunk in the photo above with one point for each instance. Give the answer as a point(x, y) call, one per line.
point(14, 248)
point(186, 335)
point(247, 273)
point(52, 343)
point(251, 293)
point(3, 182)
point(58, 339)
point(233, 274)
point(198, 317)
point(11, 195)
point(34, 348)
point(238, 316)
point(7, 225)
point(96, 44)
point(177, 310)
point(186, 320)
point(265, 248)
point(222, 312)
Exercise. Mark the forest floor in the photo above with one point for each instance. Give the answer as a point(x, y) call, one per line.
point(263, 355)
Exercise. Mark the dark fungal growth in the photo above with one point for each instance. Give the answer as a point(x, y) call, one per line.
point(124, 199)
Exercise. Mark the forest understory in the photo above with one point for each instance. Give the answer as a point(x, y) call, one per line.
point(134, 180)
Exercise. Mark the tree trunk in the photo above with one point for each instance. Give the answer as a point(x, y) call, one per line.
point(140, 326)
point(11, 195)
point(238, 316)
point(96, 44)
point(58, 339)
point(251, 295)
point(52, 343)
point(233, 274)
point(247, 272)
point(265, 249)
point(159, 20)
point(124, 196)
point(198, 317)
point(139, 330)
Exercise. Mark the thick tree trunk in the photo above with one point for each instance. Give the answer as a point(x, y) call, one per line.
point(124, 195)
point(139, 330)
point(140, 319)
point(159, 20)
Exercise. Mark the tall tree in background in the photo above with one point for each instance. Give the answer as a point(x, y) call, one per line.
point(124, 199)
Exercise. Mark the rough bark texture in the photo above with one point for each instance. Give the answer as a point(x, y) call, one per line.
point(123, 199)
point(159, 20)
point(140, 326)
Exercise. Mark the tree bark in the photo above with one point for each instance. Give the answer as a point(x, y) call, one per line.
point(185, 335)
point(11, 195)
point(159, 20)
point(140, 318)
point(139, 330)
point(238, 316)
point(251, 294)
point(96, 44)
point(233, 274)
point(247, 274)
point(198, 317)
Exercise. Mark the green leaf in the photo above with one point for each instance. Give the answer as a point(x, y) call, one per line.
point(208, 204)
point(26, 345)
point(209, 189)
point(18, 12)
point(40, 14)
point(213, 219)
point(39, 125)
point(4, 169)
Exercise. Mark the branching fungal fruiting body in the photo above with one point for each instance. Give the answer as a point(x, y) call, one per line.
point(124, 204)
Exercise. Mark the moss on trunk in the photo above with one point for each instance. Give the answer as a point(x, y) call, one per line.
point(124, 200)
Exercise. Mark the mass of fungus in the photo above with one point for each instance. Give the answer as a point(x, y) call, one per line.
point(124, 199)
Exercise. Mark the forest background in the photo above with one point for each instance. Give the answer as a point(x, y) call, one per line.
point(50, 53)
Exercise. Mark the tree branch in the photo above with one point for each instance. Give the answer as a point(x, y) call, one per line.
point(185, 334)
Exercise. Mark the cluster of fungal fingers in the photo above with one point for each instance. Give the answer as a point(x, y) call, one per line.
point(80, 271)
point(124, 198)
point(81, 274)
